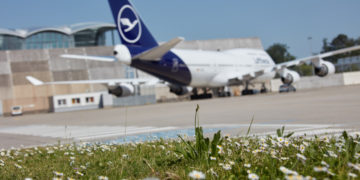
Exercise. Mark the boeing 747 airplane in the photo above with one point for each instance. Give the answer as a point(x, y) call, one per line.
point(185, 71)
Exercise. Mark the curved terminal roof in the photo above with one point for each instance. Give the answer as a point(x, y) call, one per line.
point(68, 30)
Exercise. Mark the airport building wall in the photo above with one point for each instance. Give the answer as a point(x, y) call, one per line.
point(222, 44)
point(1, 108)
point(351, 78)
point(46, 65)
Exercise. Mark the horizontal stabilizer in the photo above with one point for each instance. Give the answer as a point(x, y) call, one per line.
point(92, 58)
point(156, 53)
point(34, 81)
point(109, 82)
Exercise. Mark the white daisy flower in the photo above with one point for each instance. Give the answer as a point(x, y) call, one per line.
point(221, 151)
point(56, 173)
point(196, 175)
point(330, 173)
point(212, 158)
point(320, 169)
point(253, 176)
point(324, 163)
point(79, 173)
point(294, 177)
point(18, 166)
point(352, 175)
point(301, 157)
point(302, 148)
point(288, 171)
point(286, 143)
point(103, 178)
point(280, 139)
point(247, 165)
point(227, 167)
point(332, 154)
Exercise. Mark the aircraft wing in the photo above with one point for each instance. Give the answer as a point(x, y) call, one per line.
point(248, 76)
point(314, 59)
point(109, 82)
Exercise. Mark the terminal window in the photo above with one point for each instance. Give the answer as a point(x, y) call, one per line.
point(61, 102)
point(89, 99)
point(76, 101)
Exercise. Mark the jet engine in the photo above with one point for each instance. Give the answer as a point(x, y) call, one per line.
point(289, 77)
point(325, 68)
point(122, 54)
point(122, 90)
point(180, 90)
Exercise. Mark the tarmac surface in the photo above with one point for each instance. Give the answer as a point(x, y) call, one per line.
point(318, 111)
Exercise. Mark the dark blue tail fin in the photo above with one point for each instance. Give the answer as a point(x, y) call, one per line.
point(131, 28)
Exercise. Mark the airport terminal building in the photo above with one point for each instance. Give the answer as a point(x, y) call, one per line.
point(76, 35)
point(36, 52)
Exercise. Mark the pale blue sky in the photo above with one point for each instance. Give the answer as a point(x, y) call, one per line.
point(284, 21)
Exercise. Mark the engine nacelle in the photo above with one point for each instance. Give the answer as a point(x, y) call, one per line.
point(289, 77)
point(122, 90)
point(325, 69)
point(122, 54)
point(180, 90)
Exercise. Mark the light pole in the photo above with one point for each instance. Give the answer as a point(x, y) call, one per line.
point(311, 54)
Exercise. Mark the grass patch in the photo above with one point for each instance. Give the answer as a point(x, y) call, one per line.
point(249, 157)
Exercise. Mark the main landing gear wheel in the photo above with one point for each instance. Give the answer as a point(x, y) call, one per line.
point(248, 91)
point(204, 95)
point(221, 92)
point(263, 89)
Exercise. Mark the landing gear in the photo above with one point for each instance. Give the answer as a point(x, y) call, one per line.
point(248, 91)
point(221, 92)
point(263, 88)
point(205, 95)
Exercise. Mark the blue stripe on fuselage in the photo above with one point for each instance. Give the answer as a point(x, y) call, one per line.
point(171, 68)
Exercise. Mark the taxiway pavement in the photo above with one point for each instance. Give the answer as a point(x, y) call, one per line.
point(319, 111)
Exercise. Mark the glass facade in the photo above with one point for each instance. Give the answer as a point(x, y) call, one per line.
point(91, 37)
point(49, 40)
point(85, 38)
point(10, 42)
point(77, 35)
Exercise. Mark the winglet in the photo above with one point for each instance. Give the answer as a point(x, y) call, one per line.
point(34, 81)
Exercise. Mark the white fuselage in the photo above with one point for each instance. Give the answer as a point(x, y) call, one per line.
point(215, 68)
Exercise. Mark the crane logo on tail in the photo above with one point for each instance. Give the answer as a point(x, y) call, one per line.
point(129, 24)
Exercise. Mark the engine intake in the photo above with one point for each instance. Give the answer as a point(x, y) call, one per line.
point(289, 77)
point(179, 90)
point(122, 90)
point(325, 69)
